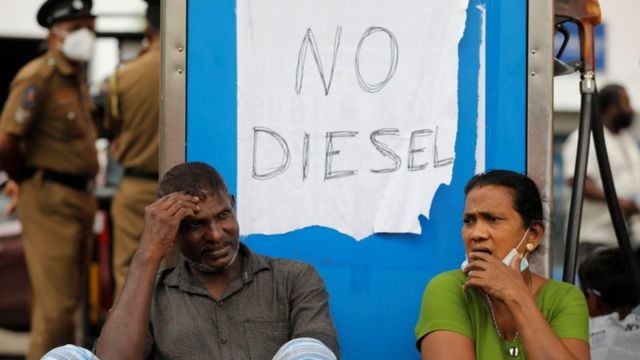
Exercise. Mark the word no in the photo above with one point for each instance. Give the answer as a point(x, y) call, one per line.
point(370, 87)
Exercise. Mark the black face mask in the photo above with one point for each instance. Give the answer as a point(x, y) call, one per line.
point(623, 119)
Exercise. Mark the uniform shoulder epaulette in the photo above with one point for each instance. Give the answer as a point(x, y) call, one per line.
point(126, 66)
point(39, 68)
point(136, 63)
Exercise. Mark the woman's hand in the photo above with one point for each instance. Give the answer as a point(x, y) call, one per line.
point(498, 280)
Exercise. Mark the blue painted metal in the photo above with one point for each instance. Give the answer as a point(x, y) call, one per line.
point(212, 85)
point(506, 84)
point(376, 284)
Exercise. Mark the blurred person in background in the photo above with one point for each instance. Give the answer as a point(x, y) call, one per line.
point(47, 146)
point(596, 229)
point(609, 290)
point(133, 114)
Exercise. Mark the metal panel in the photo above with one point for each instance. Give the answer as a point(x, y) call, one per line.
point(173, 84)
point(540, 115)
point(385, 271)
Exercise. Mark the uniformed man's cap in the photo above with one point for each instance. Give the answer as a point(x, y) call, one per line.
point(56, 10)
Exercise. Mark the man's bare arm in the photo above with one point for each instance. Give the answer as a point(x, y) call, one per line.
point(10, 159)
point(123, 335)
point(594, 192)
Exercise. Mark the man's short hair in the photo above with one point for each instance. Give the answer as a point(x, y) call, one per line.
point(609, 96)
point(194, 178)
point(605, 271)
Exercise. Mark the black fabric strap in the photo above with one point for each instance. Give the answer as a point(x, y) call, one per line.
point(131, 172)
point(76, 182)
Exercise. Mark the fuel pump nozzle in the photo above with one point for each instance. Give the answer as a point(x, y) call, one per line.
point(586, 15)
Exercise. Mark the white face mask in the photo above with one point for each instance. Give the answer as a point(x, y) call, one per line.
point(524, 264)
point(78, 45)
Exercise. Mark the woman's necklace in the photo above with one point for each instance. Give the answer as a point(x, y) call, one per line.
point(513, 350)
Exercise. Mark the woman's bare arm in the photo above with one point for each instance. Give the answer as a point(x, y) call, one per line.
point(446, 345)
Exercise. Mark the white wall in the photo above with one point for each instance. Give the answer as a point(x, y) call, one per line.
point(622, 56)
point(18, 18)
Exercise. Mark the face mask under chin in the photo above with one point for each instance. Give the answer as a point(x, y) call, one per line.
point(507, 260)
point(623, 119)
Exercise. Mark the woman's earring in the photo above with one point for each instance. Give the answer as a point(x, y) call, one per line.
point(530, 247)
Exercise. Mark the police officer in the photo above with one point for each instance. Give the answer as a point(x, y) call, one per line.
point(47, 144)
point(133, 113)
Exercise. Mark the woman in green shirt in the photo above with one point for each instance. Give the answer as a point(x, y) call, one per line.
point(495, 307)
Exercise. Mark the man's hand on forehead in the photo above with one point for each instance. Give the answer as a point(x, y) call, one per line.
point(180, 204)
point(162, 220)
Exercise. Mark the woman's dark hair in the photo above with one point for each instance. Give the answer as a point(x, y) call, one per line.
point(526, 197)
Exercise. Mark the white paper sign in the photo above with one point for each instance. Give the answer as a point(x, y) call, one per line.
point(347, 112)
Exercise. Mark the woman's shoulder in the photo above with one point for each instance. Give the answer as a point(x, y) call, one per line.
point(558, 291)
point(446, 284)
point(448, 278)
point(565, 309)
point(555, 286)
point(446, 306)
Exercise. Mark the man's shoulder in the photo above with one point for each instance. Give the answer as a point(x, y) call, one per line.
point(571, 140)
point(147, 62)
point(164, 273)
point(282, 269)
point(283, 264)
point(568, 152)
point(626, 136)
point(36, 70)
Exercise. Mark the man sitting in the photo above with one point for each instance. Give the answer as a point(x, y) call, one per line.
point(222, 300)
point(609, 288)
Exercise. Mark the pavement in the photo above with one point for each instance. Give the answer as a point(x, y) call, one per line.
point(13, 344)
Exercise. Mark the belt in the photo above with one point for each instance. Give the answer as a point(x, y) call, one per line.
point(140, 174)
point(76, 182)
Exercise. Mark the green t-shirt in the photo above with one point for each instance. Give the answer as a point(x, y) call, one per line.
point(447, 306)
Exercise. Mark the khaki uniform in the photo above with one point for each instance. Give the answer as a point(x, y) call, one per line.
point(134, 114)
point(49, 109)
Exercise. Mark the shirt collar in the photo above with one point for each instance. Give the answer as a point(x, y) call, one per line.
point(154, 45)
point(182, 277)
point(55, 58)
